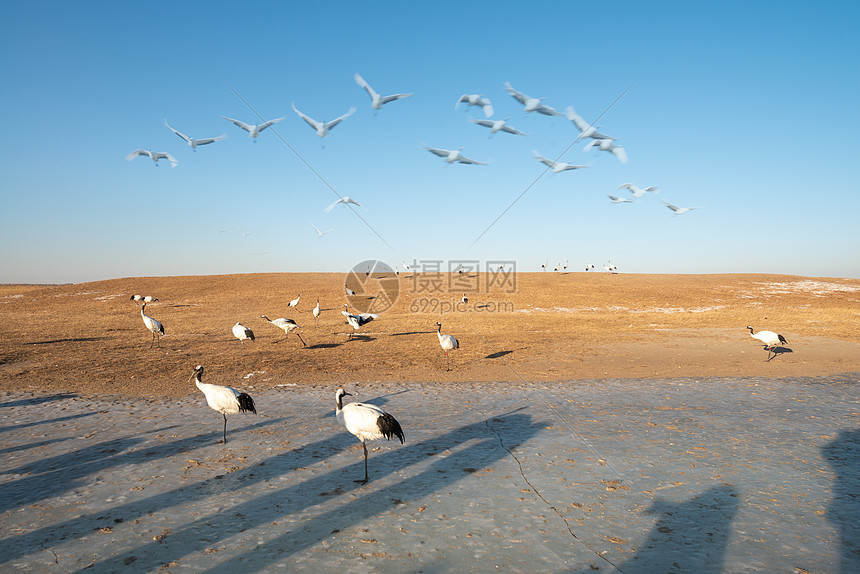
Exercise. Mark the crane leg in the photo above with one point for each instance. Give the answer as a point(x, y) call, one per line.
point(366, 478)
point(302, 340)
point(225, 427)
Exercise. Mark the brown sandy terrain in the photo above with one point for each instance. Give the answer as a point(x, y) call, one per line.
point(89, 338)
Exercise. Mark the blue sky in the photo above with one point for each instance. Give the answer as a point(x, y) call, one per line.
point(745, 109)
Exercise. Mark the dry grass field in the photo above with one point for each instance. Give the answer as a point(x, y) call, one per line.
point(89, 338)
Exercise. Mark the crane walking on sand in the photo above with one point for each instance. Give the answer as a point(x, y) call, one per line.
point(225, 400)
point(447, 342)
point(316, 311)
point(366, 422)
point(770, 340)
point(153, 325)
point(288, 325)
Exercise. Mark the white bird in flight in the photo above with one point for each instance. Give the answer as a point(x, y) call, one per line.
point(253, 130)
point(531, 104)
point(679, 210)
point(476, 100)
point(153, 155)
point(619, 199)
point(556, 166)
point(452, 156)
point(608, 145)
point(320, 233)
point(377, 101)
point(637, 191)
point(323, 128)
point(586, 130)
point(193, 143)
point(498, 125)
point(344, 200)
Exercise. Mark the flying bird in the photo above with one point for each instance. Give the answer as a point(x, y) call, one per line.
point(556, 166)
point(452, 156)
point(344, 200)
point(498, 125)
point(636, 191)
point(321, 233)
point(288, 325)
point(586, 130)
point(253, 130)
point(531, 104)
point(242, 332)
point(608, 145)
point(193, 143)
point(323, 128)
point(225, 400)
point(476, 100)
point(447, 342)
point(153, 325)
point(153, 155)
point(679, 210)
point(366, 422)
point(377, 101)
point(619, 199)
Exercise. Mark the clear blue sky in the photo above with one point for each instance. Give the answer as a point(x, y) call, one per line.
point(748, 110)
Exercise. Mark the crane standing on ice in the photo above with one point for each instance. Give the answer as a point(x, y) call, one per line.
point(225, 400)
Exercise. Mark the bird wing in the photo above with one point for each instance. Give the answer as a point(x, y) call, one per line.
point(518, 96)
point(488, 109)
point(180, 134)
point(138, 152)
point(348, 200)
point(317, 230)
point(363, 83)
point(242, 125)
point(511, 130)
point(437, 151)
point(310, 121)
point(469, 161)
point(393, 97)
point(485, 123)
point(461, 99)
point(672, 207)
point(365, 318)
point(619, 152)
point(173, 161)
point(547, 110)
point(205, 141)
point(331, 124)
point(330, 207)
point(264, 125)
point(543, 160)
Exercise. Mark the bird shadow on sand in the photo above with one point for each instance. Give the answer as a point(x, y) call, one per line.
point(777, 351)
point(357, 506)
point(38, 400)
point(69, 340)
point(412, 333)
point(324, 346)
point(500, 354)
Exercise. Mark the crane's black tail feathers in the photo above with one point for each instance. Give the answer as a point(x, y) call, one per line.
point(389, 426)
point(246, 403)
point(782, 340)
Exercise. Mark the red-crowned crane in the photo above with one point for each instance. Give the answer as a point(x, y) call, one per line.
point(366, 422)
point(225, 400)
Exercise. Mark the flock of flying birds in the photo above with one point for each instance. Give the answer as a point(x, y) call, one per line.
point(596, 140)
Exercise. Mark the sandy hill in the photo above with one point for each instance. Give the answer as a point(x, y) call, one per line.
point(545, 326)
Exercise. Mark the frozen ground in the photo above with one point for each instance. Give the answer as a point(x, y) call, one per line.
point(709, 475)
